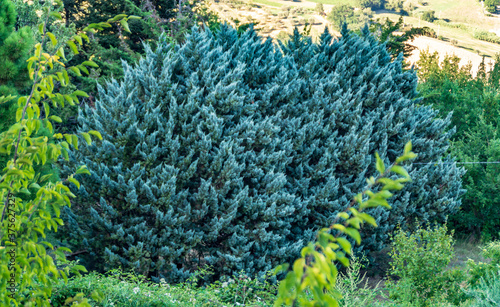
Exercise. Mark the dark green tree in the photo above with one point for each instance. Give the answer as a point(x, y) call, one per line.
point(15, 47)
point(398, 43)
point(475, 102)
point(491, 5)
point(429, 16)
point(394, 5)
point(319, 8)
point(373, 4)
point(345, 14)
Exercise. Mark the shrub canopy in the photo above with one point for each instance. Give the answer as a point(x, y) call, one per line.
point(232, 151)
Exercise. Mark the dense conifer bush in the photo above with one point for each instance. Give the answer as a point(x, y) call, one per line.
point(232, 152)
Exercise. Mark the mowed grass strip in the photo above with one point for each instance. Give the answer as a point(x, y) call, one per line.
point(269, 3)
point(334, 2)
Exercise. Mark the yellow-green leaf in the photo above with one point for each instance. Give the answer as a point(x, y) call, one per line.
point(74, 181)
point(55, 118)
point(73, 47)
point(124, 24)
point(346, 245)
point(52, 38)
point(379, 164)
point(86, 136)
point(353, 233)
point(96, 134)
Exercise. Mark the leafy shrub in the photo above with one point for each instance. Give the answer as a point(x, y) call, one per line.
point(240, 289)
point(485, 270)
point(350, 285)
point(126, 289)
point(230, 152)
point(491, 5)
point(419, 260)
point(15, 49)
point(30, 202)
point(429, 16)
point(373, 4)
point(486, 36)
point(486, 293)
point(345, 14)
point(319, 9)
point(481, 213)
point(475, 103)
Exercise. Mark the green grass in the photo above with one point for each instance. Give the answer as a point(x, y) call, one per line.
point(118, 288)
point(463, 251)
point(269, 3)
point(333, 2)
point(464, 37)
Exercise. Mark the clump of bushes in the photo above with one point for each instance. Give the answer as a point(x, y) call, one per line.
point(127, 289)
point(232, 152)
point(482, 270)
point(487, 36)
point(429, 16)
point(419, 261)
point(475, 103)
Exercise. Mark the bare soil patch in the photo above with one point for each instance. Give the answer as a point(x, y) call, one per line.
point(443, 48)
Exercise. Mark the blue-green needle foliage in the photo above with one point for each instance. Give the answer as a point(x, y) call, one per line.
point(231, 151)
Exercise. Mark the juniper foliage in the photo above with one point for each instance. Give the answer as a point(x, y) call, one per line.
point(231, 151)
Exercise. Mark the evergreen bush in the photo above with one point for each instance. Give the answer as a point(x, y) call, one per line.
point(232, 152)
point(15, 47)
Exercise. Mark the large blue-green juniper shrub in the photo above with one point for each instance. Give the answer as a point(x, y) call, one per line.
point(233, 152)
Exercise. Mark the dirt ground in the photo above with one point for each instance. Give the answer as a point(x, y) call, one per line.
point(443, 48)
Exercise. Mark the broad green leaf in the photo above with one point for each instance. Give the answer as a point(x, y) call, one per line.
point(96, 134)
point(116, 18)
point(56, 15)
point(343, 215)
point(80, 93)
point(90, 63)
point(73, 47)
point(55, 118)
point(86, 136)
point(124, 24)
point(379, 164)
point(78, 38)
point(400, 171)
point(298, 267)
point(53, 38)
point(84, 69)
point(82, 170)
point(353, 233)
point(407, 148)
point(75, 141)
point(60, 53)
point(68, 138)
point(46, 108)
point(75, 70)
point(368, 218)
point(346, 245)
point(74, 181)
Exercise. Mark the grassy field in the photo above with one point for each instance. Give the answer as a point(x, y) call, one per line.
point(332, 2)
point(463, 37)
point(451, 13)
point(269, 3)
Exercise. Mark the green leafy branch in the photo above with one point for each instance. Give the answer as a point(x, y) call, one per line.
point(32, 268)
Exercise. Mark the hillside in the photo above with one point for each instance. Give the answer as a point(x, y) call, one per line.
point(457, 26)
